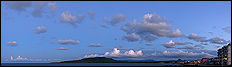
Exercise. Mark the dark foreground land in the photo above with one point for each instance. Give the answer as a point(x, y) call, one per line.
point(110, 60)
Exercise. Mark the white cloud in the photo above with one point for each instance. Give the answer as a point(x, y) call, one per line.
point(68, 18)
point(61, 48)
point(18, 5)
point(95, 45)
point(169, 44)
point(181, 53)
point(116, 53)
point(116, 19)
point(172, 44)
point(131, 37)
point(152, 25)
point(68, 42)
point(40, 29)
point(197, 38)
point(13, 43)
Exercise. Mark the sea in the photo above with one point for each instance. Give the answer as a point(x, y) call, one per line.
point(89, 64)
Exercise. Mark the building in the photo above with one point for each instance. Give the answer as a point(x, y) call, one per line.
point(224, 55)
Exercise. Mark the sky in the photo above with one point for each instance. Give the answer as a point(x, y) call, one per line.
point(51, 31)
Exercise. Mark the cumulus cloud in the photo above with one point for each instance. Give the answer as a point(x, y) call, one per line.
point(197, 38)
point(116, 53)
point(95, 45)
point(13, 43)
point(172, 44)
point(38, 10)
point(217, 40)
point(40, 29)
point(68, 18)
point(148, 44)
point(181, 53)
point(169, 44)
point(116, 19)
point(68, 42)
point(91, 14)
point(227, 29)
point(61, 48)
point(152, 25)
point(18, 5)
point(131, 37)
point(147, 37)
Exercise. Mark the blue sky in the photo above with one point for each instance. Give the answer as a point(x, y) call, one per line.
point(101, 24)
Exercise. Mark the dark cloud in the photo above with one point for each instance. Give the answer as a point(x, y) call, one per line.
point(217, 40)
point(38, 9)
point(68, 42)
point(116, 19)
point(40, 29)
point(187, 47)
point(151, 26)
point(197, 38)
point(18, 5)
point(130, 37)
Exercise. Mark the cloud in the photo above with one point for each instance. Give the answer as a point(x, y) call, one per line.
point(13, 43)
point(116, 19)
point(19, 58)
point(95, 45)
point(152, 25)
point(91, 14)
point(116, 53)
point(68, 42)
point(169, 44)
point(147, 37)
point(182, 43)
point(172, 44)
point(68, 18)
point(197, 38)
point(227, 29)
point(53, 7)
point(181, 53)
point(148, 44)
point(217, 40)
point(80, 18)
point(61, 48)
point(187, 47)
point(18, 5)
point(131, 37)
point(40, 29)
point(204, 43)
point(38, 10)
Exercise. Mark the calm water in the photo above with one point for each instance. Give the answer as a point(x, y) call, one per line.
point(87, 64)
